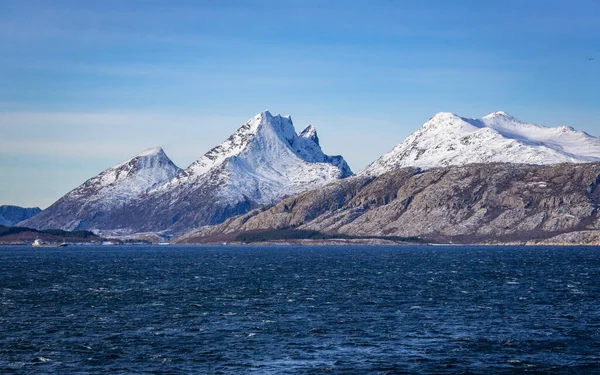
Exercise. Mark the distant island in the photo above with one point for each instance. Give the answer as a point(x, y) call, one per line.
point(26, 236)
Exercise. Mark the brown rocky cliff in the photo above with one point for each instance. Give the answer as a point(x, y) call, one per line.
point(474, 203)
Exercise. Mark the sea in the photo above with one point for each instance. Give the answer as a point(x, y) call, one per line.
point(299, 310)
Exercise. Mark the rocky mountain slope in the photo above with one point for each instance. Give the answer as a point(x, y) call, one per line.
point(447, 139)
point(495, 202)
point(10, 215)
point(262, 162)
point(97, 198)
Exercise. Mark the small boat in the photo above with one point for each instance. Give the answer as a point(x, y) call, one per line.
point(42, 243)
point(38, 242)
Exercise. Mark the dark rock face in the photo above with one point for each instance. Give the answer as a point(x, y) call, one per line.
point(11, 215)
point(474, 203)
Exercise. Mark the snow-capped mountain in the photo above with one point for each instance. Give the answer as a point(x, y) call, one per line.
point(127, 180)
point(447, 139)
point(262, 162)
point(111, 189)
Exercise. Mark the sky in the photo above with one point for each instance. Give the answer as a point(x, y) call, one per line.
point(85, 85)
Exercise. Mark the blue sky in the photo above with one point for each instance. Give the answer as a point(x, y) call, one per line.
point(87, 84)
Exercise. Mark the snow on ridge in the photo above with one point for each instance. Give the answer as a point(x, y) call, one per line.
point(448, 139)
point(310, 132)
point(151, 151)
point(124, 181)
point(498, 114)
point(263, 133)
point(234, 145)
point(263, 160)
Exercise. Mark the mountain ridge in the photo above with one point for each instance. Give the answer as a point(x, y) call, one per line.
point(265, 160)
point(448, 139)
point(476, 203)
point(260, 163)
point(109, 190)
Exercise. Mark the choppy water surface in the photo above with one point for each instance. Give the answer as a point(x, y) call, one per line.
point(305, 310)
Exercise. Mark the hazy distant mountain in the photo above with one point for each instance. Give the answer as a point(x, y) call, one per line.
point(447, 139)
point(11, 215)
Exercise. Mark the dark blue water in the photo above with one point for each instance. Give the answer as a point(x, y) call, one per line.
point(302, 310)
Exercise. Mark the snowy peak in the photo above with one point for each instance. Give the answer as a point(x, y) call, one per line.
point(240, 140)
point(448, 118)
point(144, 171)
point(441, 117)
point(448, 139)
point(282, 125)
point(499, 114)
point(263, 160)
point(444, 120)
point(153, 163)
point(99, 198)
point(155, 151)
point(310, 132)
point(262, 138)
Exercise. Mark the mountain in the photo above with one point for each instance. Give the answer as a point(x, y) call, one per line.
point(494, 202)
point(447, 139)
point(10, 215)
point(96, 199)
point(262, 162)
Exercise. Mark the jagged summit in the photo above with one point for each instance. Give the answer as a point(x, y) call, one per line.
point(241, 139)
point(310, 132)
point(268, 144)
point(263, 161)
point(448, 139)
point(268, 151)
